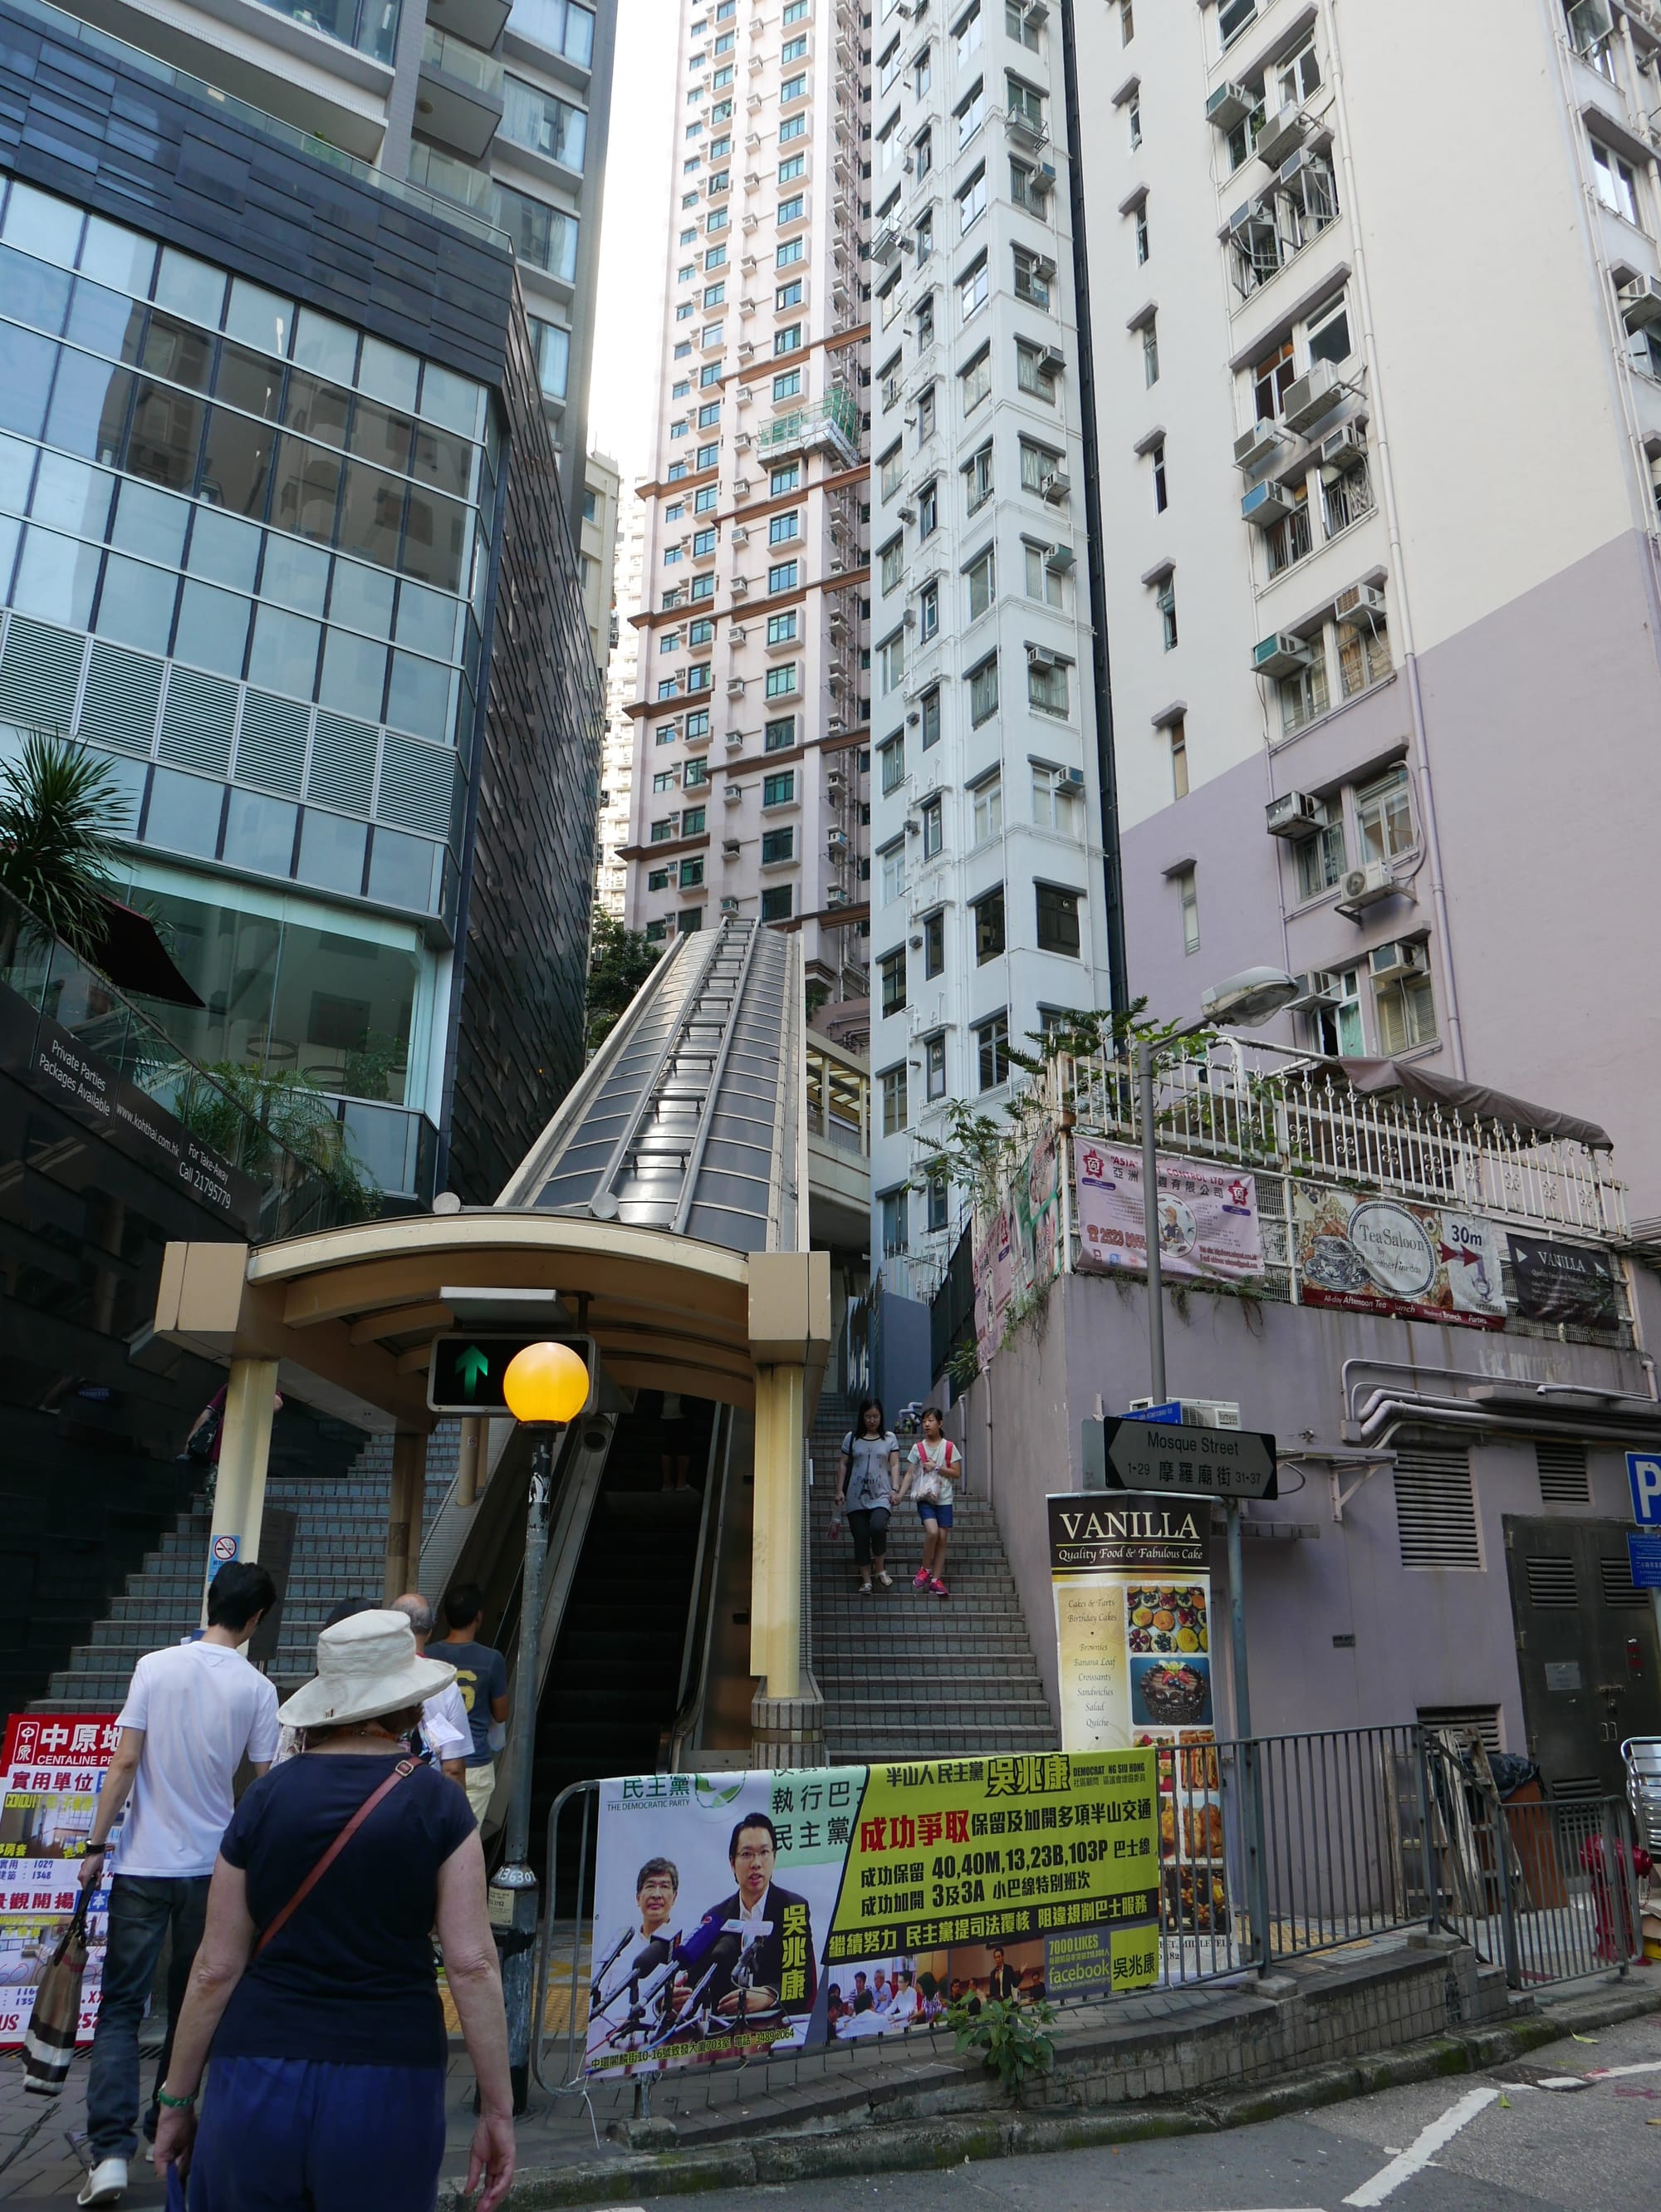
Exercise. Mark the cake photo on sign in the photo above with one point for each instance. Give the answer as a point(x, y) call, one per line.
point(1164, 1692)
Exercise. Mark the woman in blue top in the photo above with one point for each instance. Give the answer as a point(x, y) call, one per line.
point(314, 1992)
point(867, 1476)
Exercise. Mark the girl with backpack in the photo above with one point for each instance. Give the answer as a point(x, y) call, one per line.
point(933, 1466)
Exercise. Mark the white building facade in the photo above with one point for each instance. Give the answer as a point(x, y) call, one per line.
point(617, 753)
point(1380, 583)
point(750, 792)
point(987, 920)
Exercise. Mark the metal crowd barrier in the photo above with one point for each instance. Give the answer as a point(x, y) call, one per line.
point(1271, 1848)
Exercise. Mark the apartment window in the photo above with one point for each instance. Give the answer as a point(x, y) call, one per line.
point(977, 477)
point(1337, 1028)
point(666, 779)
point(697, 772)
point(1178, 759)
point(929, 705)
point(698, 676)
point(1043, 583)
point(991, 1041)
point(796, 49)
point(971, 200)
point(1161, 489)
point(1133, 117)
point(706, 499)
point(777, 900)
point(934, 944)
point(782, 576)
point(934, 1078)
point(889, 561)
point(1303, 693)
point(1025, 103)
point(923, 153)
point(783, 527)
point(1614, 181)
point(787, 295)
point(1188, 903)
point(928, 613)
point(892, 871)
point(781, 682)
point(986, 818)
point(715, 295)
point(787, 385)
point(1034, 372)
point(1298, 77)
point(1140, 212)
point(967, 32)
point(982, 583)
point(1020, 26)
point(781, 628)
point(971, 113)
point(780, 789)
point(796, 165)
point(709, 415)
point(779, 734)
point(892, 1084)
point(891, 469)
point(1363, 654)
point(1321, 859)
point(666, 827)
point(1327, 331)
point(789, 211)
point(1291, 538)
point(553, 351)
point(1166, 601)
point(1037, 464)
point(703, 542)
point(793, 126)
point(983, 691)
point(684, 312)
point(786, 478)
point(1127, 29)
point(1407, 1014)
point(1384, 816)
point(924, 235)
point(976, 379)
point(796, 12)
point(792, 250)
point(1271, 379)
point(896, 1220)
point(1046, 684)
point(656, 931)
point(793, 87)
point(777, 845)
point(703, 587)
point(891, 662)
point(715, 257)
point(988, 913)
point(925, 405)
point(1150, 350)
point(1032, 276)
point(697, 724)
point(934, 828)
point(928, 510)
point(974, 290)
point(1233, 17)
point(1056, 795)
point(692, 874)
point(658, 880)
point(1058, 919)
point(891, 973)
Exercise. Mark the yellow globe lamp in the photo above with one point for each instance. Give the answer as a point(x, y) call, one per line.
point(546, 1385)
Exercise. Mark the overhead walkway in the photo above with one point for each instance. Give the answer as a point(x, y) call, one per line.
point(662, 1213)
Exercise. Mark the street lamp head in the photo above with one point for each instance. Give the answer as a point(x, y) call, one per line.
point(1248, 999)
point(546, 1383)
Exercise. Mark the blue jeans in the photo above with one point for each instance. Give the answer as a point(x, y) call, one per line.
point(142, 1910)
point(294, 2135)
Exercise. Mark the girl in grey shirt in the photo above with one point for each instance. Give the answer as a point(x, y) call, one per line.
point(867, 1476)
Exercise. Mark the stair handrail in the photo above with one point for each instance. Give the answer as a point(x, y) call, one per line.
point(700, 1142)
point(705, 1584)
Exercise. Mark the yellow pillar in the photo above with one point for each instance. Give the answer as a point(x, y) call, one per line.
point(245, 1449)
point(776, 1595)
point(403, 1515)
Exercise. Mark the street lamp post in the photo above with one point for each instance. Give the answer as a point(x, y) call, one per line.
point(1244, 1001)
point(545, 1387)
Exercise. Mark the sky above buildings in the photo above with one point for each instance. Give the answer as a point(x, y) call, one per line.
point(623, 392)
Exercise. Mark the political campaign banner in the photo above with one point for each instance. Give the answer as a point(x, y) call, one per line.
point(994, 1284)
point(1208, 1216)
point(52, 1769)
point(736, 1915)
point(1382, 1256)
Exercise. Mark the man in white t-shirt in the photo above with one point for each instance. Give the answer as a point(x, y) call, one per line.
point(193, 1713)
point(445, 1727)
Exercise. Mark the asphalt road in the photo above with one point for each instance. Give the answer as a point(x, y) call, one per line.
point(1492, 2142)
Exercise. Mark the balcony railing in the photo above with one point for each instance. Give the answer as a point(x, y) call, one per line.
point(832, 422)
point(462, 62)
point(839, 1103)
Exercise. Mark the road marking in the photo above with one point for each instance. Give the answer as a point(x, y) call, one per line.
point(1423, 2147)
point(1619, 2073)
point(1563, 2081)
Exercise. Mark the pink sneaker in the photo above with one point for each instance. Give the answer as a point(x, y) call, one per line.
point(938, 1587)
point(920, 1579)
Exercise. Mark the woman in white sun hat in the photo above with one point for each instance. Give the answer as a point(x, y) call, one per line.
point(314, 1991)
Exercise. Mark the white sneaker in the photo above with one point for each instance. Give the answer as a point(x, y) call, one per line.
point(105, 2184)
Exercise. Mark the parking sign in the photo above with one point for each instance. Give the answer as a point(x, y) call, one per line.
point(1643, 1474)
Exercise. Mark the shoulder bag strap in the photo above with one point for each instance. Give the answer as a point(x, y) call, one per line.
point(405, 1766)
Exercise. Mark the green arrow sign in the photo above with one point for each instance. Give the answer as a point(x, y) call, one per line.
point(465, 1372)
point(472, 1364)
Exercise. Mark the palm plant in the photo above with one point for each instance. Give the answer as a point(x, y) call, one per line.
point(61, 812)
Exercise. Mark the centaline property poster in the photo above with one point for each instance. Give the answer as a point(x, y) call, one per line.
point(54, 1765)
point(736, 1915)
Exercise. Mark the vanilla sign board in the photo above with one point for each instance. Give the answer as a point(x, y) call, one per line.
point(1382, 1255)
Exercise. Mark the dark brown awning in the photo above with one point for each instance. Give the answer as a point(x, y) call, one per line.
point(130, 952)
point(1469, 1101)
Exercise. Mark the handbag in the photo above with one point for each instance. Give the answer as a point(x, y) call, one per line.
point(204, 1438)
point(50, 2044)
point(280, 1921)
point(927, 1487)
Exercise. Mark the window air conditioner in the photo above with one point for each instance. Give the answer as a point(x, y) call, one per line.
point(731, 847)
point(735, 737)
point(1259, 445)
point(837, 840)
point(1059, 559)
point(909, 515)
point(836, 897)
point(1315, 988)
point(1054, 485)
point(1052, 361)
point(1406, 957)
point(738, 586)
point(1042, 180)
point(1293, 814)
point(1228, 105)
point(1365, 886)
point(1040, 656)
point(1357, 607)
point(1281, 134)
point(1280, 655)
point(1305, 162)
point(1072, 779)
point(1346, 449)
point(1312, 397)
point(1266, 504)
point(729, 906)
point(1641, 303)
point(884, 245)
point(733, 794)
point(734, 687)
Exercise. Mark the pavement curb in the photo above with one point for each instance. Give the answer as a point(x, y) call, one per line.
point(918, 2145)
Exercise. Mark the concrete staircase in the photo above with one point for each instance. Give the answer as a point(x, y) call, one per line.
point(336, 1482)
point(901, 1671)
